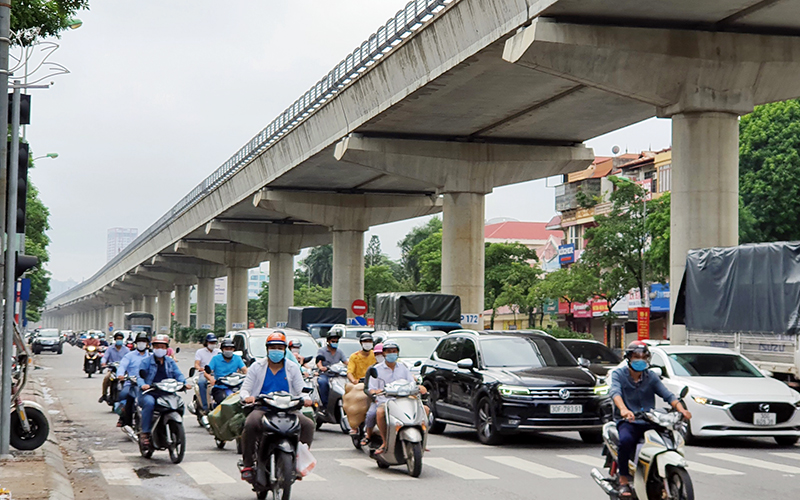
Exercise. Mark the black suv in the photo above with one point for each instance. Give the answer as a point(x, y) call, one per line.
point(507, 382)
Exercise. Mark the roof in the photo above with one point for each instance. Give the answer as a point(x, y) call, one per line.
point(554, 224)
point(520, 231)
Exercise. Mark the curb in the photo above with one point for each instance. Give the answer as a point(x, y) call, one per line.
point(57, 478)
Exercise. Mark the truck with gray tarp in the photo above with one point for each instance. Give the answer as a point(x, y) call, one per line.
point(417, 311)
point(316, 320)
point(745, 298)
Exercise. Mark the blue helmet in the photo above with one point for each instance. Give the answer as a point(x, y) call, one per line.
point(210, 338)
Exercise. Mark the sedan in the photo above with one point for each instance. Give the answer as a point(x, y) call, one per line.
point(49, 339)
point(601, 359)
point(728, 395)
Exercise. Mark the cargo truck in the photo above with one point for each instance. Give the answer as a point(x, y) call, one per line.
point(417, 311)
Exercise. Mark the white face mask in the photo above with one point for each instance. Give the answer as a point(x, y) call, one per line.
point(367, 346)
point(159, 353)
point(379, 358)
point(295, 351)
point(141, 346)
point(211, 347)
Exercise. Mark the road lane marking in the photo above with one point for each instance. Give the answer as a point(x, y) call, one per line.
point(532, 467)
point(119, 476)
point(456, 469)
point(205, 473)
point(711, 469)
point(753, 462)
point(371, 469)
point(590, 460)
point(793, 456)
point(109, 456)
point(313, 478)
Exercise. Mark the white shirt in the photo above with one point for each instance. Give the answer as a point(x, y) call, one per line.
point(204, 356)
point(386, 376)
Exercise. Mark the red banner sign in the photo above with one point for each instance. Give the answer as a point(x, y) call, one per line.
point(643, 323)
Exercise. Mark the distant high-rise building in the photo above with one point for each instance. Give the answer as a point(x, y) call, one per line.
point(118, 239)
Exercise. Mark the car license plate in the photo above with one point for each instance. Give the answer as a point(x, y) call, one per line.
point(565, 409)
point(765, 419)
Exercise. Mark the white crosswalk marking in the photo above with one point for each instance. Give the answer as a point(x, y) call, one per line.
point(206, 473)
point(711, 469)
point(313, 478)
point(532, 467)
point(456, 469)
point(107, 456)
point(119, 476)
point(792, 456)
point(753, 462)
point(591, 460)
point(371, 469)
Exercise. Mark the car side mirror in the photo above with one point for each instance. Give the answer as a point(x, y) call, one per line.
point(766, 373)
point(238, 353)
point(585, 363)
point(192, 371)
point(658, 371)
point(419, 363)
point(207, 369)
point(465, 364)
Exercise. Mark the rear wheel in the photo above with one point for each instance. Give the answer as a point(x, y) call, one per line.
point(487, 430)
point(680, 484)
point(178, 447)
point(413, 458)
point(786, 440)
point(591, 437)
point(284, 476)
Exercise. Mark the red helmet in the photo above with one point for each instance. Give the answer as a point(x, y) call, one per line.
point(160, 339)
point(276, 338)
point(637, 346)
point(295, 343)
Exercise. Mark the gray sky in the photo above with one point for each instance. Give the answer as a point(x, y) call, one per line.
point(162, 92)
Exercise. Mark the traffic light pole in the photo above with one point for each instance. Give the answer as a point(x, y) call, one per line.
point(9, 283)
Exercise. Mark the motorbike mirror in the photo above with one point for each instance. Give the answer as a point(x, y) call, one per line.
point(658, 371)
point(192, 371)
point(418, 363)
point(207, 369)
point(142, 373)
point(684, 392)
point(307, 359)
point(177, 350)
point(584, 362)
point(465, 364)
point(306, 390)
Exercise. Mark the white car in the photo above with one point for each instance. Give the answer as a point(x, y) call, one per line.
point(728, 395)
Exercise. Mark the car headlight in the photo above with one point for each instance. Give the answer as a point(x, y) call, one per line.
point(513, 390)
point(797, 404)
point(601, 390)
point(701, 400)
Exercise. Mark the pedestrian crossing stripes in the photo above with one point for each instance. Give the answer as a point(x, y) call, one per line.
point(712, 469)
point(533, 468)
point(753, 462)
point(369, 468)
point(205, 473)
point(456, 469)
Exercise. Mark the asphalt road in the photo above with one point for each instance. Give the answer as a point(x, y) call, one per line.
point(103, 463)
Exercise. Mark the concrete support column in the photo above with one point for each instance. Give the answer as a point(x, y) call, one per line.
point(163, 315)
point(463, 250)
point(149, 304)
point(119, 317)
point(138, 303)
point(182, 293)
point(205, 303)
point(281, 287)
point(108, 317)
point(236, 310)
point(705, 191)
point(129, 306)
point(348, 268)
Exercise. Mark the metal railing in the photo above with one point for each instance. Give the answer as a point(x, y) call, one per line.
point(416, 14)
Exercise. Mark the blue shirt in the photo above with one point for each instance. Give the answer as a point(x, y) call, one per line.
point(130, 363)
point(275, 382)
point(112, 355)
point(638, 396)
point(152, 368)
point(220, 367)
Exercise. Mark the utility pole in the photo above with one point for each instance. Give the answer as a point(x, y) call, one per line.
point(5, 353)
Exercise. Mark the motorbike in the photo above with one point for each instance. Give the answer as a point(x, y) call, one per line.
point(167, 432)
point(276, 453)
point(333, 413)
point(132, 431)
point(232, 383)
point(114, 386)
point(406, 428)
point(196, 404)
point(91, 361)
point(659, 469)
point(29, 425)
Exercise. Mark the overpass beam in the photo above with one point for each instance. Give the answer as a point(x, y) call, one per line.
point(703, 81)
point(205, 304)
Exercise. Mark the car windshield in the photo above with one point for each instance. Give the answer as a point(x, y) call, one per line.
point(531, 352)
point(258, 345)
point(416, 347)
point(595, 353)
point(348, 346)
point(354, 333)
point(48, 333)
point(712, 365)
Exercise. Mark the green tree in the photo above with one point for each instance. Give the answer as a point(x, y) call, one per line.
point(263, 299)
point(50, 16)
point(507, 277)
point(408, 260)
point(658, 223)
point(373, 257)
point(427, 258)
point(378, 279)
point(319, 266)
point(220, 318)
point(769, 172)
point(256, 312)
point(314, 296)
point(36, 241)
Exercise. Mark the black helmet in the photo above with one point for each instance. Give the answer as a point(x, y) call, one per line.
point(142, 337)
point(637, 346)
point(118, 335)
point(226, 343)
point(366, 337)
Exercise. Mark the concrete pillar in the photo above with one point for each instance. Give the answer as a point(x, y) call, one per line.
point(129, 306)
point(119, 317)
point(149, 304)
point(281, 287)
point(108, 317)
point(205, 303)
point(236, 309)
point(138, 304)
point(163, 311)
point(182, 293)
point(348, 268)
point(705, 191)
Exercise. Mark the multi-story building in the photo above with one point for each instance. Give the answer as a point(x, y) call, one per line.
point(255, 279)
point(118, 239)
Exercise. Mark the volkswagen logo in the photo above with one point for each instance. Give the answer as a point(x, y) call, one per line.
point(764, 407)
point(563, 394)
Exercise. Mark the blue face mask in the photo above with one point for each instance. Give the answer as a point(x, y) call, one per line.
point(333, 345)
point(639, 365)
point(391, 357)
point(276, 356)
point(118, 342)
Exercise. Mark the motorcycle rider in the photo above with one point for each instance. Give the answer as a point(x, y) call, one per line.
point(634, 389)
point(130, 366)
point(91, 340)
point(359, 362)
point(222, 365)
point(267, 375)
point(327, 356)
point(387, 372)
point(155, 368)
point(113, 355)
point(201, 359)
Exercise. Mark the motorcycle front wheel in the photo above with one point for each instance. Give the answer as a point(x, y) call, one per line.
point(413, 458)
point(284, 475)
point(178, 447)
point(32, 440)
point(680, 484)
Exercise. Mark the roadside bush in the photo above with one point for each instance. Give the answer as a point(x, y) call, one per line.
point(566, 333)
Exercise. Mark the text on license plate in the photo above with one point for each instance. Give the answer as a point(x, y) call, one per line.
point(765, 419)
point(562, 409)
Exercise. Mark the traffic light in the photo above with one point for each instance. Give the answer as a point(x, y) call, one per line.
point(24, 109)
point(22, 184)
point(24, 263)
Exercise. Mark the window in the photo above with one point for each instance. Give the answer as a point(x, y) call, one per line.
point(575, 235)
point(238, 343)
point(531, 352)
point(468, 352)
point(712, 365)
point(448, 350)
point(664, 178)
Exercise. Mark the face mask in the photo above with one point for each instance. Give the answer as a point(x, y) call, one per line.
point(333, 345)
point(639, 365)
point(391, 357)
point(118, 343)
point(211, 347)
point(367, 346)
point(141, 346)
point(227, 354)
point(159, 353)
point(296, 351)
point(276, 356)
point(379, 358)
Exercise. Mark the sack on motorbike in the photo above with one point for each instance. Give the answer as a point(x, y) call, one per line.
point(356, 403)
point(305, 460)
point(227, 419)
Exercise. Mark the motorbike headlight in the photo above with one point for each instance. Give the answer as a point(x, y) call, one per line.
point(601, 390)
point(513, 390)
point(702, 400)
